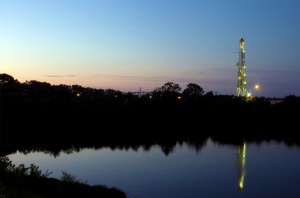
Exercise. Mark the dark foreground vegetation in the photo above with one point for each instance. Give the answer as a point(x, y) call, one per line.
point(30, 182)
point(54, 118)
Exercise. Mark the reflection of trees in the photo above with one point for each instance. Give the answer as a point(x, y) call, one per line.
point(197, 145)
point(166, 147)
point(68, 146)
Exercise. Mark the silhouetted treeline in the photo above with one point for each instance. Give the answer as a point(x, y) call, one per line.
point(43, 114)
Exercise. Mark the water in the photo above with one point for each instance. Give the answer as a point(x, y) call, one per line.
point(268, 169)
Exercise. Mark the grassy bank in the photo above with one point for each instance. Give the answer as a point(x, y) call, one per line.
point(30, 182)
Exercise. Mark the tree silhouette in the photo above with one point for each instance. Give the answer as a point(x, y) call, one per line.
point(168, 90)
point(192, 90)
point(6, 79)
point(10, 88)
point(169, 87)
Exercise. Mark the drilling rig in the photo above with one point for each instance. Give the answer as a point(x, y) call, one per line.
point(241, 78)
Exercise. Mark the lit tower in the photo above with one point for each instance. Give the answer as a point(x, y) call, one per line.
point(241, 164)
point(241, 79)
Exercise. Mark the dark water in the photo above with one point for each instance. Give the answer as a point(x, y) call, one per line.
point(268, 169)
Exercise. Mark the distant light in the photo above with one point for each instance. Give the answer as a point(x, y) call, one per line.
point(78, 94)
point(179, 97)
point(256, 86)
point(116, 96)
point(150, 97)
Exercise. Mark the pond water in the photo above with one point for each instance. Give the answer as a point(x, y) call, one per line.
point(268, 169)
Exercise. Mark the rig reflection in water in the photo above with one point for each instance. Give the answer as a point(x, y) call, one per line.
point(241, 165)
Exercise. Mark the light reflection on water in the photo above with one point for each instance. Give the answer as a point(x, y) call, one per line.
point(270, 169)
point(241, 164)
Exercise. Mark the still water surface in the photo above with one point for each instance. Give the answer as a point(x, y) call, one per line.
point(268, 169)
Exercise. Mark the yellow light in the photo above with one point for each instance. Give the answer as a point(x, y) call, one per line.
point(242, 163)
point(78, 94)
point(256, 86)
point(179, 97)
point(241, 183)
point(150, 97)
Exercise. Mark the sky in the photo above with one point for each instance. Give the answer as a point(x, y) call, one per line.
point(131, 44)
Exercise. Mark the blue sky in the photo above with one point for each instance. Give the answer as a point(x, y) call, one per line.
point(128, 44)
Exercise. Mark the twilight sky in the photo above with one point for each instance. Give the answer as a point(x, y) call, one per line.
point(128, 44)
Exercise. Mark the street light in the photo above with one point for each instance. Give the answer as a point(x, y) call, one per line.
point(256, 87)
